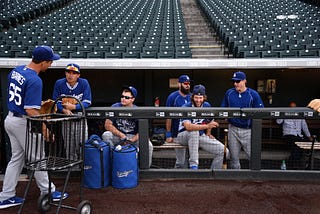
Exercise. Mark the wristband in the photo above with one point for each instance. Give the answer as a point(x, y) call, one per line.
point(168, 134)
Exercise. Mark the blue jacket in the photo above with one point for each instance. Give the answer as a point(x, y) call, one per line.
point(247, 99)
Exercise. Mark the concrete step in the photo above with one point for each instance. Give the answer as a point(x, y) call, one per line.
point(207, 51)
point(203, 33)
point(202, 38)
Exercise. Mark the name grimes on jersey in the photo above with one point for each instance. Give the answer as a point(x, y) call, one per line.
point(18, 77)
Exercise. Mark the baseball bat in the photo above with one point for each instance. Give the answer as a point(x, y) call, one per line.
point(224, 164)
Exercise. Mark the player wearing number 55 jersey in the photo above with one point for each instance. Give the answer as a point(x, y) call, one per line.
point(24, 99)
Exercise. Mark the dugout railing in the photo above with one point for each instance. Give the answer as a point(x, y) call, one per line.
point(144, 114)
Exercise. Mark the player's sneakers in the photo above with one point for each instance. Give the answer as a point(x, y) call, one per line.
point(14, 201)
point(194, 167)
point(56, 195)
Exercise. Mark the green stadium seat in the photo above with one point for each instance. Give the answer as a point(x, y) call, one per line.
point(166, 54)
point(251, 54)
point(113, 54)
point(148, 54)
point(183, 54)
point(269, 54)
point(309, 53)
point(313, 46)
point(6, 53)
point(78, 55)
point(95, 54)
point(131, 54)
point(297, 47)
point(288, 54)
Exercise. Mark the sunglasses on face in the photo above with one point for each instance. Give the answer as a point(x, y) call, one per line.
point(236, 81)
point(186, 83)
point(126, 97)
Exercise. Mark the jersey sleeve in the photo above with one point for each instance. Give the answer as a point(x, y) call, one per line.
point(257, 101)
point(33, 95)
point(87, 96)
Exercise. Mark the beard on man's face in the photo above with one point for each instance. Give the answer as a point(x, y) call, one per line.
point(185, 90)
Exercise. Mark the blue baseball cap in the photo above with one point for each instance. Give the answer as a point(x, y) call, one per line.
point(199, 90)
point(44, 53)
point(239, 75)
point(73, 67)
point(184, 78)
point(132, 89)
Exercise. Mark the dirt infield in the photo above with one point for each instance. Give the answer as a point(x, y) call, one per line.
point(191, 196)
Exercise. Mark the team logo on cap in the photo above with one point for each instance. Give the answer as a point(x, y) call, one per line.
point(72, 68)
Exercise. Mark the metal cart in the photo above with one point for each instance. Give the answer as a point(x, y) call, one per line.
point(55, 142)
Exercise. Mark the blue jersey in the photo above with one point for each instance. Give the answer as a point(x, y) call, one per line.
point(175, 99)
point(195, 121)
point(126, 126)
point(247, 99)
point(24, 90)
point(80, 90)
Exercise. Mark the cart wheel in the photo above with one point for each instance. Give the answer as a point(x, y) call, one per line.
point(84, 207)
point(44, 203)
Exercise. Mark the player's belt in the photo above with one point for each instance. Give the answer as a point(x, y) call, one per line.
point(14, 114)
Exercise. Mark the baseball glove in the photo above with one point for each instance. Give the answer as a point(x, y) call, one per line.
point(69, 100)
point(46, 107)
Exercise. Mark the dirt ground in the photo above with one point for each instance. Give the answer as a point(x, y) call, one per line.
point(189, 196)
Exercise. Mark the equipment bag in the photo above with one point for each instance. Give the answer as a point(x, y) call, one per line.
point(96, 163)
point(125, 170)
point(158, 136)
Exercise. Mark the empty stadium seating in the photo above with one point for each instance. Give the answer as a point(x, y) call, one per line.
point(265, 28)
point(13, 12)
point(104, 29)
point(155, 28)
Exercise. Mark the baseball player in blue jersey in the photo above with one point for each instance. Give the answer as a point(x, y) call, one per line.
point(24, 99)
point(177, 99)
point(123, 128)
point(196, 133)
point(74, 86)
point(239, 134)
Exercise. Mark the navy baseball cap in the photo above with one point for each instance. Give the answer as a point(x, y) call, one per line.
point(239, 75)
point(199, 90)
point(73, 67)
point(44, 53)
point(132, 89)
point(184, 78)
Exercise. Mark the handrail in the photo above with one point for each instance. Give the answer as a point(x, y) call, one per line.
point(193, 112)
point(257, 114)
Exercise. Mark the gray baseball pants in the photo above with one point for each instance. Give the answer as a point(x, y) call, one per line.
point(194, 142)
point(238, 138)
point(16, 130)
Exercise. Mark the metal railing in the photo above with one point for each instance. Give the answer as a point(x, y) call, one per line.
point(256, 114)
